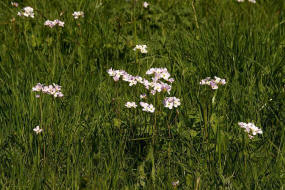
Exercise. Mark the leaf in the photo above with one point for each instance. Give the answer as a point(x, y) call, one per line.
point(214, 123)
point(117, 122)
point(193, 133)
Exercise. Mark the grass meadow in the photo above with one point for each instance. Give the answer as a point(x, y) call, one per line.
point(91, 140)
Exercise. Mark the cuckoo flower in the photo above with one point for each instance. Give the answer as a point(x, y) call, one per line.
point(131, 105)
point(78, 14)
point(14, 4)
point(27, 12)
point(250, 128)
point(145, 4)
point(141, 48)
point(147, 107)
point(170, 102)
point(52, 24)
point(213, 82)
point(54, 90)
point(37, 130)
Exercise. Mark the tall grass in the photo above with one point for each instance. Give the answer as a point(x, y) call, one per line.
point(91, 141)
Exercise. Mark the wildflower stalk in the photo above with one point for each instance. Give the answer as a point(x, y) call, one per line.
point(41, 125)
point(195, 14)
point(135, 27)
point(41, 112)
point(134, 20)
point(116, 103)
point(154, 126)
point(168, 124)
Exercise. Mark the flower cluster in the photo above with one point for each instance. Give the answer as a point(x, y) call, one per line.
point(141, 48)
point(147, 107)
point(78, 14)
point(156, 85)
point(53, 89)
point(170, 102)
point(160, 73)
point(27, 12)
point(14, 4)
point(131, 105)
point(51, 23)
point(213, 82)
point(250, 128)
point(251, 1)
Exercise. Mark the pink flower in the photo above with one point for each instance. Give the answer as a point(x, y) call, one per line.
point(147, 107)
point(213, 82)
point(250, 128)
point(52, 24)
point(53, 89)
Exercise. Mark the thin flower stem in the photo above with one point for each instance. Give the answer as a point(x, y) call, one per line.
point(195, 14)
point(41, 125)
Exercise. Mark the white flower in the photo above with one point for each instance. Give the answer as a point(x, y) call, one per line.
point(27, 12)
point(213, 82)
point(175, 183)
point(78, 14)
point(251, 1)
point(37, 88)
point(145, 4)
point(151, 108)
point(59, 23)
point(157, 87)
point(131, 105)
point(142, 48)
point(170, 102)
point(111, 72)
point(142, 96)
point(37, 130)
point(165, 75)
point(250, 128)
point(147, 107)
point(51, 24)
point(176, 102)
point(139, 79)
point(14, 4)
point(58, 94)
point(171, 80)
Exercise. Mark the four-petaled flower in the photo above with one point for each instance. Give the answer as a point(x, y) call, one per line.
point(78, 14)
point(131, 105)
point(145, 4)
point(14, 4)
point(52, 24)
point(250, 128)
point(37, 130)
point(213, 82)
point(141, 48)
point(170, 102)
point(27, 12)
